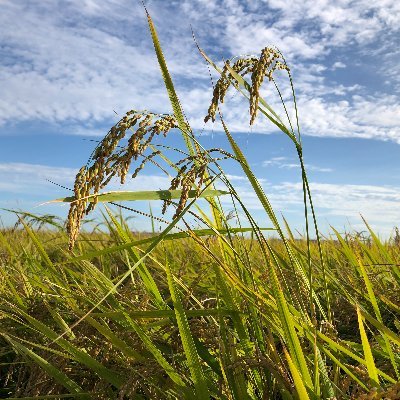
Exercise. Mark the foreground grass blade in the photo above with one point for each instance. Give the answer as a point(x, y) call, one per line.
point(144, 195)
point(38, 245)
point(298, 381)
point(189, 347)
point(115, 340)
point(176, 105)
point(183, 124)
point(378, 315)
point(51, 370)
point(4, 242)
point(169, 237)
point(384, 329)
point(80, 355)
point(369, 358)
point(271, 214)
point(286, 317)
point(340, 348)
point(143, 271)
point(167, 367)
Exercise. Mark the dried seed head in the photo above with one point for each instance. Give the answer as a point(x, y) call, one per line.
point(108, 161)
point(270, 60)
point(191, 175)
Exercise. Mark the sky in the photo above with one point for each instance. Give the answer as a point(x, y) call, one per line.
point(69, 69)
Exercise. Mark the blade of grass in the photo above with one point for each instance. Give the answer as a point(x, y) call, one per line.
point(189, 347)
point(171, 236)
point(375, 306)
point(369, 358)
point(143, 195)
point(149, 283)
point(50, 369)
point(175, 103)
point(298, 380)
point(79, 355)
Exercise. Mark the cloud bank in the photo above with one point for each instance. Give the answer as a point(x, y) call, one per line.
point(74, 63)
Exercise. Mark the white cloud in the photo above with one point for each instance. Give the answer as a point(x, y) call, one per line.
point(336, 205)
point(276, 161)
point(285, 163)
point(300, 28)
point(340, 22)
point(237, 178)
point(378, 204)
point(338, 64)
point(25, 186)
point(253, 36)
point(69, 73)
point(22, 179)
point(62, 66)
point(363, 117)
point(368, 117)
point(76, 62)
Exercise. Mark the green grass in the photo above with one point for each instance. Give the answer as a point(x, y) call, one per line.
point(222, 311)
point(217, 328)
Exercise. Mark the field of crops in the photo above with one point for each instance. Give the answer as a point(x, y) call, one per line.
point(212, 306)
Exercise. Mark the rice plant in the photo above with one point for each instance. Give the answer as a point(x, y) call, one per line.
point(210, 307)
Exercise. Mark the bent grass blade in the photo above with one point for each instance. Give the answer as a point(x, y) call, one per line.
point(142, 195)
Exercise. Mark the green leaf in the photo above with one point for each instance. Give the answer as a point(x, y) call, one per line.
point(115, 340)
point(369, 358)
point(168, 368)
point(342, 366)
point(375, 306)
point(384, 329)
point(51, 370)
point(189, 347)
point(298, 381)
point(79, 355)
point(173, 97)
point(144, 195)
point(143, 271)
point(38, 245)
point(338, 347)
point(171, 236)
point(290, 335)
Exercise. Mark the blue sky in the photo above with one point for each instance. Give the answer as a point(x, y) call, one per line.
point(65, 66)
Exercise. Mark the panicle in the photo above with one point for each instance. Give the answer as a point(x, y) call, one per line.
point(269, 61)
point(111, 159)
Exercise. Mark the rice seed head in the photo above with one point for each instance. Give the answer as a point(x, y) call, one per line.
point(269, 61)
point(110, 159)
point(191, 175)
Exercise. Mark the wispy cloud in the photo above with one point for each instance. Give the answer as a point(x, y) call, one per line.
point(286, 163)
point(25, 185)
point(335, 204)
point(32, 179)
point(18, 180)
point(338, 64)
point(363, 117)
point(107, 61)
point(61, 66)
point(378, 204)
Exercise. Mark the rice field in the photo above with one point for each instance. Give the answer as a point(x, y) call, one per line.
point(213, 306)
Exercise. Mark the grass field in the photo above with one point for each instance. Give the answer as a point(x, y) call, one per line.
point(229, 310)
